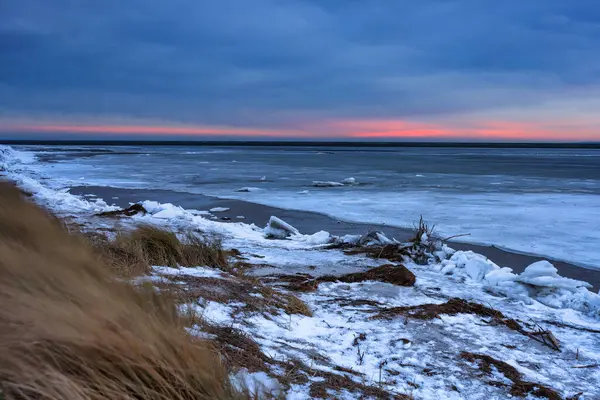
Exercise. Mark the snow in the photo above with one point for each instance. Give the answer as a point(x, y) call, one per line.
point(212, 311)
point(482, 216)
point(407, 346)
point(256, 383)
point(556, 224)
point(9, 157)
point(202, 272)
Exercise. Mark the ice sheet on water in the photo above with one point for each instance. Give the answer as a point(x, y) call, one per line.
point(345, 182)
point(324, 184)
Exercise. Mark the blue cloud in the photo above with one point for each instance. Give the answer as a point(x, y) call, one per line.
point(237, 61)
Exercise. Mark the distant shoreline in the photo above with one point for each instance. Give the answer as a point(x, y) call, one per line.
point(298, 143)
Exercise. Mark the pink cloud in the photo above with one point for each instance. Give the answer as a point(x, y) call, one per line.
point(340, 129)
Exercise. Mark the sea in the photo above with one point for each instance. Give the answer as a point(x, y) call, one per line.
point(534, 201)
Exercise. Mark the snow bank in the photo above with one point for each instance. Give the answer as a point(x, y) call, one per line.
point(540, 282)
point(10, 158)
point(11, 162)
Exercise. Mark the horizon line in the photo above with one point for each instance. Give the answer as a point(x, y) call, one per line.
point(301, 142)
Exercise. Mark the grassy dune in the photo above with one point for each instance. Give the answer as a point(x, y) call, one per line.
point(70, 330)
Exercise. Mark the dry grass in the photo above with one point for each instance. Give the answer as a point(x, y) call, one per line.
point(519, 387)
point(133, 253)
point(241, 289)
point(388, 273)
point(68, 330)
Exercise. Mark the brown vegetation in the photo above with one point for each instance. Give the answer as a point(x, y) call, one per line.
point(254, 295)
point(394, 274)
point(456, 306)
point(451, 307)
point(519, 387)
point(68, 330)
point(133, 253)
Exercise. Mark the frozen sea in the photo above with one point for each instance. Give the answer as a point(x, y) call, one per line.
point(536, 201)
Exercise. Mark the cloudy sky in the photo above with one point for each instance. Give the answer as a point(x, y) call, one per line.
point(360, 69)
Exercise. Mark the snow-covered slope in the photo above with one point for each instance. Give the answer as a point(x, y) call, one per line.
point(371, 333)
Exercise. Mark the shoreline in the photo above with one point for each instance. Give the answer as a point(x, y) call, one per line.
point(310, 222)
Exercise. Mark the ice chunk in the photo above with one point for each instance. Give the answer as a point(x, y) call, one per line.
point(349, 181)
point(219, 209)
point(468, 264)
point(494, 277)
point(279, 229)
point(374, 238)
point(327, 184)
point(248, 189)
point(543, 273)
point(151, 206)
point(477, 268)
point(350, 239)
point(170, 212)
point(321, 237)
point(264, 178)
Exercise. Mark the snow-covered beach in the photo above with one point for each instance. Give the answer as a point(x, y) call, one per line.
point(544, 202)
point(466, 328)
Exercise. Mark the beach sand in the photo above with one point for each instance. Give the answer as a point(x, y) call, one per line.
point(310, 222)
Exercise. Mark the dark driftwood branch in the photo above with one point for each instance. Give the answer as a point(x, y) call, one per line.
point(455, 236)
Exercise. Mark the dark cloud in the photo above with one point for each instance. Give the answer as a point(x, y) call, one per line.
point(240, 61)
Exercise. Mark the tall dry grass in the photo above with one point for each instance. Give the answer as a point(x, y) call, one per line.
point(69, 330)
point(132, 253)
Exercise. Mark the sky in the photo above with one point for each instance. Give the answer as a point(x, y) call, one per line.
point(480, 70)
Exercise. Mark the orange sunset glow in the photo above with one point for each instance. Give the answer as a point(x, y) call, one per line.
point(335, 129)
